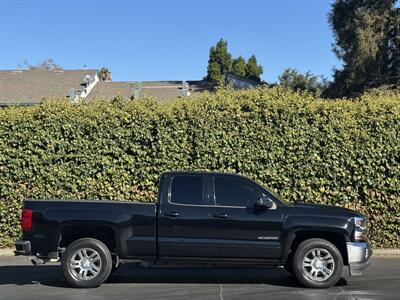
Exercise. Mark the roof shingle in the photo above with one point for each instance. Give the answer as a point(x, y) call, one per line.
point(160, 90)
point(31, 86)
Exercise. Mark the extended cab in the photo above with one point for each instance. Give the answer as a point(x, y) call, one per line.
point(199, 217)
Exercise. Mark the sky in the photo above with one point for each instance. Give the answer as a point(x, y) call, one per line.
point(166, 39)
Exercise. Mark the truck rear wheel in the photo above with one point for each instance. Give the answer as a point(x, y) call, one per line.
point(86, 263)
point(317, 263)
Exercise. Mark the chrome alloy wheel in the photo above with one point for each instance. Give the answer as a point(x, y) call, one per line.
point(85, 264)
point(318, 264)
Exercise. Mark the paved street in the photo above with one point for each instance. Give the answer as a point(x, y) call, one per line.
point(20, 280)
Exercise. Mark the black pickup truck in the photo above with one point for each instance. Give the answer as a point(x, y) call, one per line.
point(199, 218)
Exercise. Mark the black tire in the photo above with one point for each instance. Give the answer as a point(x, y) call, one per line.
point(289, 263)
point(101, 267)
point(333, 263)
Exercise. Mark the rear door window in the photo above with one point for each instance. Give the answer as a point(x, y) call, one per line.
point(187, 190)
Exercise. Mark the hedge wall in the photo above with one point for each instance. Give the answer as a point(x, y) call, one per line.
point(338, 152)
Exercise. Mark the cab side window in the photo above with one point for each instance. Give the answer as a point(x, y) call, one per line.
point(187, 190)
point(231, 191)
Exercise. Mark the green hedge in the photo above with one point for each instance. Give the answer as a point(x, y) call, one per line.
point(342, 152)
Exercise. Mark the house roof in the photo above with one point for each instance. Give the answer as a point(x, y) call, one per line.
point(28, 87)
point(31, 86)
point(109, 89)
point(160, 90)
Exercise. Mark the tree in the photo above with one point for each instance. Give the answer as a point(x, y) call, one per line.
point(239, 67)
point(104, 74)
point(392, 49)
point(291, 78)
point(367, 34)
point(214, 72)
point(47, 64)
point(253, 69)
point(220, 62)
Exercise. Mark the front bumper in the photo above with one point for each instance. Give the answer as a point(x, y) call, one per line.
point(359, 255)
point(22, 248)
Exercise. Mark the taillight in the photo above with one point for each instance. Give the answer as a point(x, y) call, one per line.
point(26, 219)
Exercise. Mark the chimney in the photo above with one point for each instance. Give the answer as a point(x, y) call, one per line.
point(185, 89)
point(137, 91)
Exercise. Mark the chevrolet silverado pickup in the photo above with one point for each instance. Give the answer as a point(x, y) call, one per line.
point(199, 217)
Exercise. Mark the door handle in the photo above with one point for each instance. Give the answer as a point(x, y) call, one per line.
point(172, 214)
point(221, 216)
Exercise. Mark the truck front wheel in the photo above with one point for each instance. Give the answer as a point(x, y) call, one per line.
point(317, 263)
point(86, 263)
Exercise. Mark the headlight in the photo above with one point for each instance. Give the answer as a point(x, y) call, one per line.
point(360, 229)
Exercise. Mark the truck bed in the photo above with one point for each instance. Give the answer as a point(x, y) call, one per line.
point(129, 223)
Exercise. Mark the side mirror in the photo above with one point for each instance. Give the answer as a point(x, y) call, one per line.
point(264, 202)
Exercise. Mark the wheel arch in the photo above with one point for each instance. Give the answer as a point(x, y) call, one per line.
point(70, 232)
point(295, 237)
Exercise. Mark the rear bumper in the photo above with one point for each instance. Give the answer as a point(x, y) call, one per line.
point(22, 247)
point(359, 255)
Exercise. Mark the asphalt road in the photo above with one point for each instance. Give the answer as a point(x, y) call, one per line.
point(20, 280)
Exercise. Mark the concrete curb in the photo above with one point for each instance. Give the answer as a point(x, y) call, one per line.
point(376, 252)
point(385, 252)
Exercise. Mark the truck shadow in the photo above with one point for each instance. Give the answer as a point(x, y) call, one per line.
point(51, 275)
